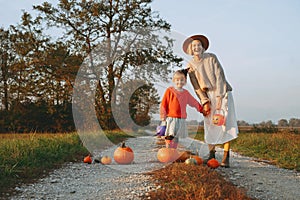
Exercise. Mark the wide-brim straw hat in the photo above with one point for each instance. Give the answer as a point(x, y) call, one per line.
point(204, 41)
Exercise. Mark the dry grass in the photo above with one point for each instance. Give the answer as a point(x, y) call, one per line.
point(281, 149)
point(182, 181)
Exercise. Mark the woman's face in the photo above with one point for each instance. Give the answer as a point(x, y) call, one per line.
point(197, 47)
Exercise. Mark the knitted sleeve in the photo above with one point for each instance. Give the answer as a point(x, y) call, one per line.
point(164, 106)
point(193, 102)
point(201, 94)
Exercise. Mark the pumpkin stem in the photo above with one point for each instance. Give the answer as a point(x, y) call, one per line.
point(123, 145)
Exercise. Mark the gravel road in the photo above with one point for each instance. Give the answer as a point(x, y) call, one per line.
point(95, 181)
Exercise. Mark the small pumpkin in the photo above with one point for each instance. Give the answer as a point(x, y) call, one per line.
point(88, 159)
point(106, 160)
point(190, 161)
point(213, 163)
point(123, 154)
point(166, 155)
point(198, 159)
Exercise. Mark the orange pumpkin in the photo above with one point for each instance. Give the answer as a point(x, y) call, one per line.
point(87, 159)
point(213, 163)
point(123, 154)
point(218, 118)
point(106, 160)
point(198, 159)
point(165, 155)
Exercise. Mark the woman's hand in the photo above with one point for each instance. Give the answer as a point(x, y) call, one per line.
point(206, 109)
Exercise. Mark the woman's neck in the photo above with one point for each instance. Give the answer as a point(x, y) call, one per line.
point(197, 57)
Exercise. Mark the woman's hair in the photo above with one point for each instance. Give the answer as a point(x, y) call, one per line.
point(189, 49)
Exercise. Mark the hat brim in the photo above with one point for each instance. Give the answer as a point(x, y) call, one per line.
point(204, 41)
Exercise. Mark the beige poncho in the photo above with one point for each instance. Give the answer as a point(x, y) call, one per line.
point(208, 79)
point(208, 75)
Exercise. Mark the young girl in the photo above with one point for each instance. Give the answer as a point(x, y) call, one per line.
point(173, 107)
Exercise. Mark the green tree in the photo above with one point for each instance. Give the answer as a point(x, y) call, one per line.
point(242, 123)
point(121, 42)
point(143, 102)
point(29, 44)
point(293, 122)
point(37, 78)
point(283, 123)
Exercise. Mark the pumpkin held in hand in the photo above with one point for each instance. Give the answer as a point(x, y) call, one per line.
point(106, 160)
point(165, 155)
point(123, 154)
point(218, 118)
point(87, 159)
point(213, 163)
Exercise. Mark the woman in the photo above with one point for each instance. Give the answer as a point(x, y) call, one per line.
point(209, 82)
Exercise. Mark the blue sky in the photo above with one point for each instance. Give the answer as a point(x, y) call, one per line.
point(256, 41)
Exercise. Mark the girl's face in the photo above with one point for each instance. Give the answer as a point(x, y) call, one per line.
point(179, 81)
point(197, 47)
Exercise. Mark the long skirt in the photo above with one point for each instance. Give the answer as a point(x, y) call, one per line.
point(215, 133)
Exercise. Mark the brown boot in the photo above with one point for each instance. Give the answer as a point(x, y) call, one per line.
point(211, 155)
point(225, 160)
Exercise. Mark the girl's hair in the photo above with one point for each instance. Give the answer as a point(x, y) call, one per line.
point(181, 72)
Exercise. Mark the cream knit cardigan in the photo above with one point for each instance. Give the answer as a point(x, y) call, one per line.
point(208, 75)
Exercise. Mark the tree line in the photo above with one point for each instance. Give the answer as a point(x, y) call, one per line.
point(119, 46)
point(292, 122)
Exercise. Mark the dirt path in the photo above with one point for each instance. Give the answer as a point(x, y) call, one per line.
point(262, 180)
point(96, 181)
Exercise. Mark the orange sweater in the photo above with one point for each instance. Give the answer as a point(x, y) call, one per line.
point(174, 103)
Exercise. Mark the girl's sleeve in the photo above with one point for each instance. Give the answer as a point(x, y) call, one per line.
point(164, 106)
point(194, 103)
